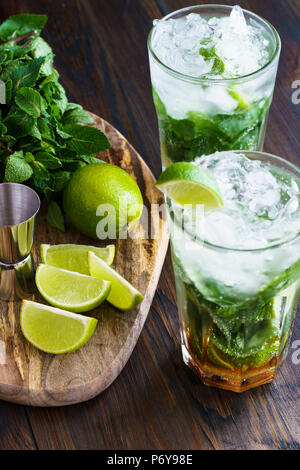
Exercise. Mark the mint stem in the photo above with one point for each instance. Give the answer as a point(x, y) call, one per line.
point(20, 38)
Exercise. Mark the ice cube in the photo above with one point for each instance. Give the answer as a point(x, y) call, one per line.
point(239, 45)
point(177, 43)
point(292, 205)
point(237, 21)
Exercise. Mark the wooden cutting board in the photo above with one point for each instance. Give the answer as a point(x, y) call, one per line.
point(31, 377)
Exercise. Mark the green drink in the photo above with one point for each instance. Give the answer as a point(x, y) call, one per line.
point(238, 278)
point(213, 71)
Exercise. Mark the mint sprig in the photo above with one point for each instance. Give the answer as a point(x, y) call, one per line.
point(41, 140)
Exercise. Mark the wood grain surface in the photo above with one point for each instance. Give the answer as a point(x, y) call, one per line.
point(157, 402)
point(31, 377)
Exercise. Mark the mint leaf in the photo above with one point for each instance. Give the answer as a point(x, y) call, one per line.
point(19, 124)
point(27, 75)
point(234, 124)
point(89, 159)
point(86, 140)
point(40, 171)
point(35, 132)
point(29, 158)
point(8, 91)
point(17, 169)
point(45, 129)
point(41, 142)
point(18, 25)
point(55, 216)
point(67, 155)
point(62, 134)
point(30, 101)
point(7, 141)
point(209, 55)
point(75, 114)
point(60, 179)
point(49, 161)
point(3, 129)
point(199, 134)
point(56, 98)
point(39, 48)
point(73, 166)
point(5, 56)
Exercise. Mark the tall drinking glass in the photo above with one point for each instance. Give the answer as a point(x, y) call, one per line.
point(198, 115)
point(237, 300)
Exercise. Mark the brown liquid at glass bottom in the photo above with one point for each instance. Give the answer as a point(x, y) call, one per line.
point(235, 380)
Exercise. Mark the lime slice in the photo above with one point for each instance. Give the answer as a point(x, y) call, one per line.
point(186, 183)
point(217, 359)
point(242, 104)
point(71, 291)
point(122, 295)
point(53, 330)
point(74, 257)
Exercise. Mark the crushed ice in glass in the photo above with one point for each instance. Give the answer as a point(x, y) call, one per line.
point(261, 202)
point(241, 46)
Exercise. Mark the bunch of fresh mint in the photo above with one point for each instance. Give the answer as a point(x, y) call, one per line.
point(41, 142)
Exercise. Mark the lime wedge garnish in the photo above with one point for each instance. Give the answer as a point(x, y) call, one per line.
point(122, 295)
point(69, 290)
point(186, 183)
point(55, 331)
point(74, 257)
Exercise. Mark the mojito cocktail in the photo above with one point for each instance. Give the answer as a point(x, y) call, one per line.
point(238, 273)
point(213, 70)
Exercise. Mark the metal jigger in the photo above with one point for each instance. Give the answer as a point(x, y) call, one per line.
point(19, 206)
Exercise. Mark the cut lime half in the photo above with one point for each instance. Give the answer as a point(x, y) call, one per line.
point(69, 290)
point(74, 257)
point(186, 183)
point(53, 330)
point(122, 295)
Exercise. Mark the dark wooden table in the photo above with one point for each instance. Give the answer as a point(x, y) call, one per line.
point(157, 402)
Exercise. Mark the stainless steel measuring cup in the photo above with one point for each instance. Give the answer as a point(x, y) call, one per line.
point(19, 206)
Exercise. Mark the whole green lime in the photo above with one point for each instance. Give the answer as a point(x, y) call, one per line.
point(103, 201)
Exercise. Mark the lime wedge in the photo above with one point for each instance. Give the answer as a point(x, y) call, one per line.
point(53, 330)
point(74, 257)
point(217, 359)
point(186, 183)
point(122, 295)
point(70, 291)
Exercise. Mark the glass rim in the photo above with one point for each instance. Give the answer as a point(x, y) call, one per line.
point(255, 155)
point(225, 81)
